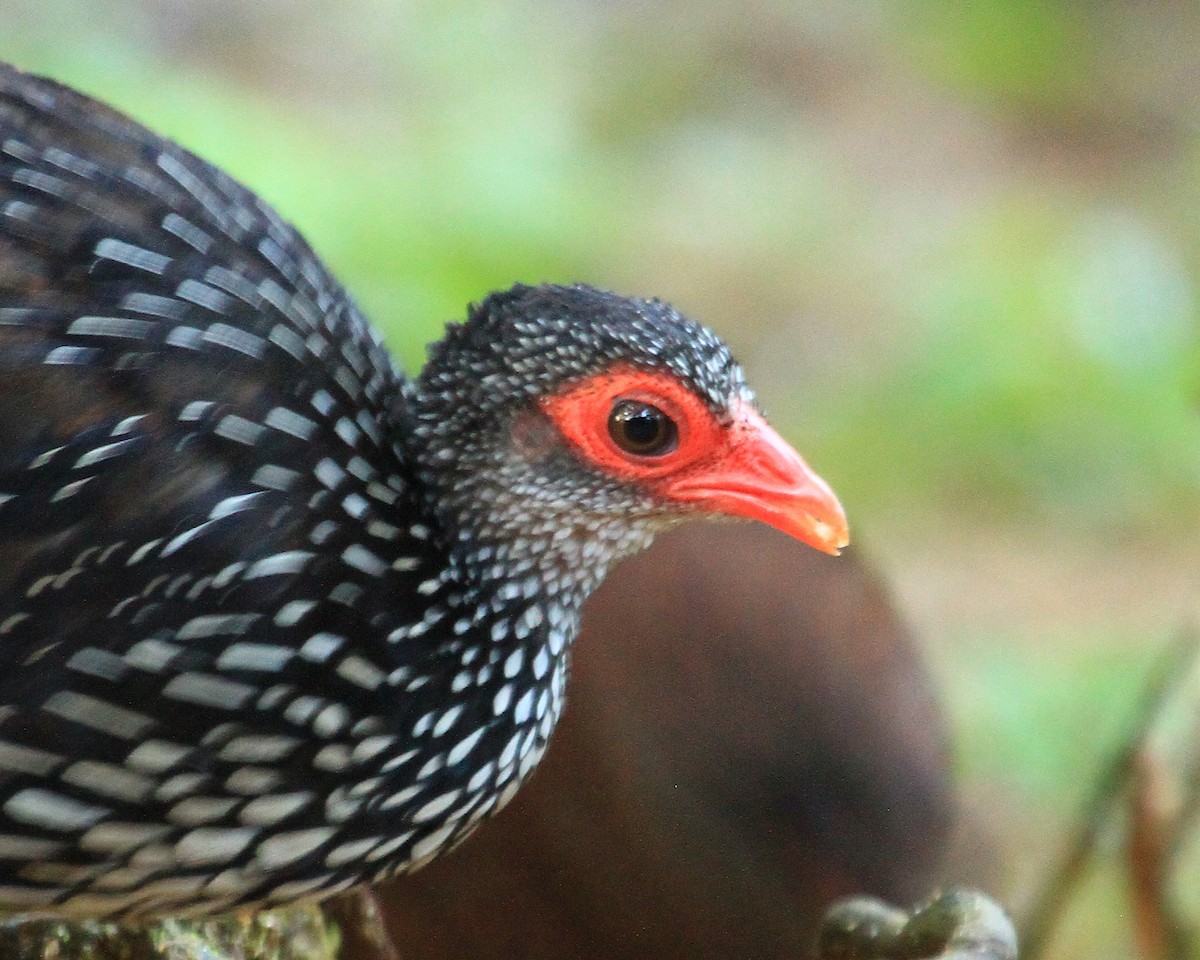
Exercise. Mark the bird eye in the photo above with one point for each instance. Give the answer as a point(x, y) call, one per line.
point(642, 429)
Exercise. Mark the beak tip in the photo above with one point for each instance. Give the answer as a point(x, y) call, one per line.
point(828, 537)
point(835, 547)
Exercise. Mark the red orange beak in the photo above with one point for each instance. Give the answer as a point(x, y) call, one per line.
point(761, 477)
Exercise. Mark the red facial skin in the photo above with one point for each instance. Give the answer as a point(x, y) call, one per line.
point(741, 467)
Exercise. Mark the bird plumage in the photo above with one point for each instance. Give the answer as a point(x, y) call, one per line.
point(275, 619)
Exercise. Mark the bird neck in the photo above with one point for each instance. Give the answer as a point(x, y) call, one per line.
point(561, 559)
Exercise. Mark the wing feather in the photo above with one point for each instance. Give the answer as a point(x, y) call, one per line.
point(162, 330)
point(203, 515)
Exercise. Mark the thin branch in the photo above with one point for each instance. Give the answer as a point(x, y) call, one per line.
point(1154, 822)
point(364, 933)
point(1166, 676)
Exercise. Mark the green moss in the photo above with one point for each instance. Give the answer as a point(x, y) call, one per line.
point(295, 933)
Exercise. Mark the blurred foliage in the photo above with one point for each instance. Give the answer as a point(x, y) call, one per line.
point(977, 311)
point(1017, 718)
point(1059, 375)
point(1022, 327)
point(1024, 53)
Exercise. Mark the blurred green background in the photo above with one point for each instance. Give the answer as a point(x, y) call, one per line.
point(957, 245)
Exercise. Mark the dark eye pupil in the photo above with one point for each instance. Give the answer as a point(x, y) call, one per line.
point(641, 428)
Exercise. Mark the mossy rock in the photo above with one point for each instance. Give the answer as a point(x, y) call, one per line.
point(296, 933)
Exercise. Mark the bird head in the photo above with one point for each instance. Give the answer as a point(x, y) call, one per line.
point(574, 415)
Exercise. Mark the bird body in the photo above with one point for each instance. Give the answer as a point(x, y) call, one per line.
point(275, 619)
point(744, 744)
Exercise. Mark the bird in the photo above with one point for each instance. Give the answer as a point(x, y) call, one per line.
point(278, 620)
point(745, 744)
